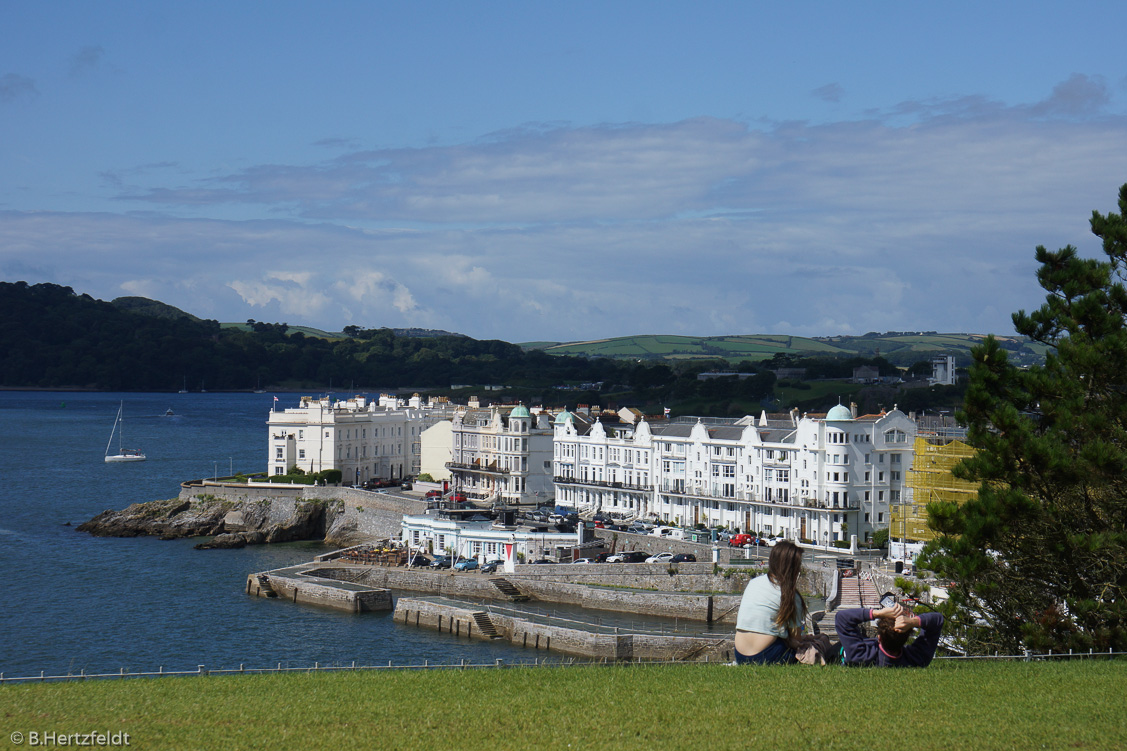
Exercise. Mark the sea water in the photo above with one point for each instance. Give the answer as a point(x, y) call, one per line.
point(72, 602)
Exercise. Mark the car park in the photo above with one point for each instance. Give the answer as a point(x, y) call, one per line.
point(466, 564)
point(660, 558)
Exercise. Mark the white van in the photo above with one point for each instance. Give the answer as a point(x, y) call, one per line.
point(672, 533)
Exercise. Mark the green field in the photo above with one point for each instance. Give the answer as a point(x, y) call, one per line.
point(903, 347)
point(951, 705)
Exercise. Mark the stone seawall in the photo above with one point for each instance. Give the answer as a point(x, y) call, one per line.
point(648, 599)
point(483, 624)
point(296, 587)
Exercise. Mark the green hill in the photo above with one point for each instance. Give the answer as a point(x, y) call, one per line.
point(902, 348)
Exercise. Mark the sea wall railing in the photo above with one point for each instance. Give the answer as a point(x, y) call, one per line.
point(203, 670)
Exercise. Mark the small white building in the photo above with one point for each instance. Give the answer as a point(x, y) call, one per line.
point(482, 539)
point(364, 439)
point(942, 370)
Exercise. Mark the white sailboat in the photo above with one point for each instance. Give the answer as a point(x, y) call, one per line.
point(123, 454)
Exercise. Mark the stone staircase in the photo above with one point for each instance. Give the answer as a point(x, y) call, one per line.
point(506, 588)
point(858, 592)
point(485, 624)
point(265, 589)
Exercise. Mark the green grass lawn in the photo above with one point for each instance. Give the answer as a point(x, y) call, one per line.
point(951, 705)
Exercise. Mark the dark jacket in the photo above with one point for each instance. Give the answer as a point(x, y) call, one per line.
point(858, 650)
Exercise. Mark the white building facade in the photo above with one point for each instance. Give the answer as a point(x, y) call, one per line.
point(502, 455)
point(364, 439)
point(819, 478)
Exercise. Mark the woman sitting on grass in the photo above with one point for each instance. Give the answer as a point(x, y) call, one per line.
point(769, 622)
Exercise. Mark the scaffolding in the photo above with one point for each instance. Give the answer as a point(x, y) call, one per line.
point(929, 480)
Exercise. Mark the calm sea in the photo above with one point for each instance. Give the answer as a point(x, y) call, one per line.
point(75, 602)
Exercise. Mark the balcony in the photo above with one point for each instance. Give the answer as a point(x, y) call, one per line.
point(560, 480)
point(479, 468)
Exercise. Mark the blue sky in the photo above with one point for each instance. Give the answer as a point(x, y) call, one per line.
point(534, 171)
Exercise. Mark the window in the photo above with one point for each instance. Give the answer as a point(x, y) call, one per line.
point(301, 453)
point(278, 453)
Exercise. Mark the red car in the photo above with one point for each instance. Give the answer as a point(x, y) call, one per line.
point(433, 494)
point(738, 541)
point(459, 498)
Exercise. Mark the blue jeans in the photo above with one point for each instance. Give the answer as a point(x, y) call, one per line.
point(776, 654)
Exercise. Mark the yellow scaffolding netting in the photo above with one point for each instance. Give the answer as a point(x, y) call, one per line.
point(928, 480)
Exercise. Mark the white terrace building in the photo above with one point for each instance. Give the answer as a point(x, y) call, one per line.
point(819, 477)
point(362, 438)
point(502, 455)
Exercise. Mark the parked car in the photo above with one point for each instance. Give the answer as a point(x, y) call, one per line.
point(635, 556)
point(459, 498)
point(419, 560)
point(441, 561)
point(738, 541)
point(602, 558)
point(584, 560)
point(683, 558)
point(542, 560)
point(433, 495)
point(491, 567)
point(660, 558)
point(466, 564)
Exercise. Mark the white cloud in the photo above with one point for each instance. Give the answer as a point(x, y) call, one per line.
point(922, 217)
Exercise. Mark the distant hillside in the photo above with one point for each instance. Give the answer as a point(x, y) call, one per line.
point(146, 307)
point(898, 347)
point(322, 334)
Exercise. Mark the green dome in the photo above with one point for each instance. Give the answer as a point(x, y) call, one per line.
point(840, 412)
point(564, 417)
point(520, 411)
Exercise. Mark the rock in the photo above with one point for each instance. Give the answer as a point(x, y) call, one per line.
point(228, 541)
point(253, 522)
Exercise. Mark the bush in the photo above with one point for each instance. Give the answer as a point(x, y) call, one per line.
point(843, 544)
point(425, 477)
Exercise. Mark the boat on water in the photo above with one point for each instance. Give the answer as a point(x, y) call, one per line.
point(123, 454)
point(169, 413)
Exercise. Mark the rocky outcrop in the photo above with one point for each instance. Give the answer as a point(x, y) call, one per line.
point(233, 524)
point(170, 519)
